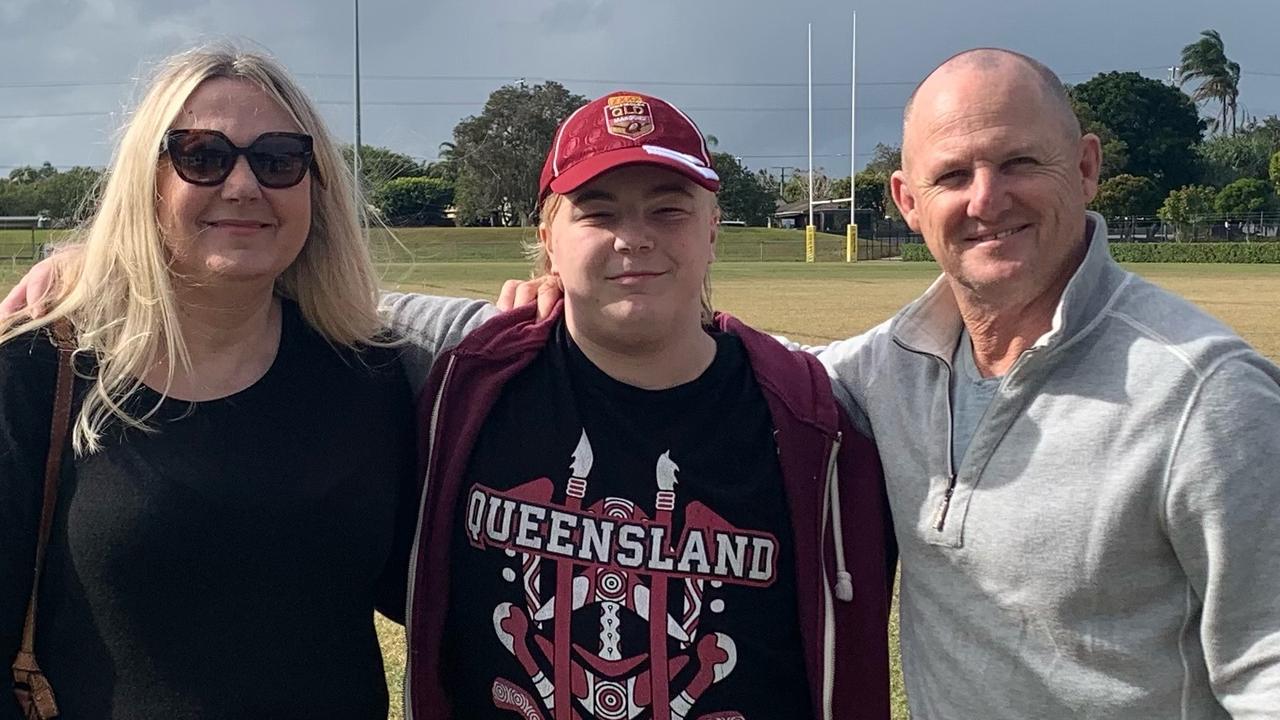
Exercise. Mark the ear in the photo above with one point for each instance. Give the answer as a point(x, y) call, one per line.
point(544, 238)
point(715, 230)
point(903, 197)
point(1090, 165)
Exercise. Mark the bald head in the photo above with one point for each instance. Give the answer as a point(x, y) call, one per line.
point(995, 68)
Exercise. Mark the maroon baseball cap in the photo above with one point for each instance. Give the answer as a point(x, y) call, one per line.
point(625, 128)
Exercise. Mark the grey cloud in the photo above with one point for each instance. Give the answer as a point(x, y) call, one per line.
point(568, 16)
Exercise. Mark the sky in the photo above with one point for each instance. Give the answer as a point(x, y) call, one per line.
point(70, 69)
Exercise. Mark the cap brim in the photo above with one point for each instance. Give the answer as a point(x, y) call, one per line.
point(597, 165)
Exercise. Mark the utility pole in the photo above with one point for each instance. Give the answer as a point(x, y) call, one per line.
point(782, 169)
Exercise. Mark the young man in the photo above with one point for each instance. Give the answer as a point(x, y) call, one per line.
point(638, 508)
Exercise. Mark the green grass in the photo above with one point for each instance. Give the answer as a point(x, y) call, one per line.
point(830, 301)
point(812, 303)
point(435, 245)
point(18, 243)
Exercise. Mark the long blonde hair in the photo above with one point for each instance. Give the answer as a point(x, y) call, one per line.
point(119, 291)
point(536, 251)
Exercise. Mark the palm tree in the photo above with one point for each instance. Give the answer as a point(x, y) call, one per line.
point(1205, 60)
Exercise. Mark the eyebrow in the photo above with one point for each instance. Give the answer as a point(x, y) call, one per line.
point(589, 195)
point(670, 189)
point(666, 189)
point(940, 162)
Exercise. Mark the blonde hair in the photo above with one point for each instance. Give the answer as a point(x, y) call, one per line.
point(536, 251)
point(119, 291)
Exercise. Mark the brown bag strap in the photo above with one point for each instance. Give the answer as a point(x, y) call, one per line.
point(63, 337)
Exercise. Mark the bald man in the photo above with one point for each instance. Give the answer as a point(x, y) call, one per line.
point(1083, 469)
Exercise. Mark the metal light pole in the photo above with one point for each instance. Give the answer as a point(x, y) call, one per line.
point(355, 149)
point(851, 232)
point(810, 232)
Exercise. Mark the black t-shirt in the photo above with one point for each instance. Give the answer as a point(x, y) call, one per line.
point(227, 565)
point(677, 487)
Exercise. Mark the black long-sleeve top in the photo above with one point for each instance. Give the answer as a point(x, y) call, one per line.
point(226, 565)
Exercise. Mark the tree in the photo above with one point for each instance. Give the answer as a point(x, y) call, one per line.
point(1115, 153)
point(1274, 171)
point(1186, 207)
point(443, 168)
point(885, 160)
point(1205, 61)
point(414, 201)
point(29, 174)
point(63, 194)
point(742, 196)
point(18, 198)
point(1246, 154)
point(1244, 196)
point(1157, 123)
point(870, 189)
point(839, 188)
point(769, 182)
point(499, 153)
point(1126, 196)
point(379, 165)
point(47, 191)
point(797, 186)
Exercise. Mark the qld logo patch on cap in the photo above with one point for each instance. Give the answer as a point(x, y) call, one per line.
point(628, 116)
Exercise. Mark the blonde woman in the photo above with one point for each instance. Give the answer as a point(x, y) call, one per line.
point(238, 489)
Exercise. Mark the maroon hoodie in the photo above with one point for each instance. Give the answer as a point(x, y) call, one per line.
point(844, 630)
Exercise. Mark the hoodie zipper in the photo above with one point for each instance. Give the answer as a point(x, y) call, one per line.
point(941, 515)
point(417, 537)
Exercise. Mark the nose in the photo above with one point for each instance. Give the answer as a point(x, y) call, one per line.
point(241, 184)
point(632, 237)
point(988, 195)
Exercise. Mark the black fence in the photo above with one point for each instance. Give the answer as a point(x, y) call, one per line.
point(1251, 227)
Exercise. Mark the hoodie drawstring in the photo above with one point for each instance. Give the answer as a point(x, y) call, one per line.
point(844, 581)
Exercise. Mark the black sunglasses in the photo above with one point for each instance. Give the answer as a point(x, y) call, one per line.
point(206, 157)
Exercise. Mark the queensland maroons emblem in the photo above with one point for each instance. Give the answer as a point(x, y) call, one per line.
point(628, 116)
point(636, 583)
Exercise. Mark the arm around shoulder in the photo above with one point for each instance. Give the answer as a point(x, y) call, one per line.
point(430, 325)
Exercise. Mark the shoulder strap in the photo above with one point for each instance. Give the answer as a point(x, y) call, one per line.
point(62, 336)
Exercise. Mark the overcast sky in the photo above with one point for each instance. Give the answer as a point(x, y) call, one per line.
point(69, 68)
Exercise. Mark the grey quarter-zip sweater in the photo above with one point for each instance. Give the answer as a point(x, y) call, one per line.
point(1109, 546)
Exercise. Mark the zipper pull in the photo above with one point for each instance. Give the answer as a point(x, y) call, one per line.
point(940, 517)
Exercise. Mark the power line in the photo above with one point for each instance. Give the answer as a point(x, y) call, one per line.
point(593, 81)
point(57, 115)
point(446, 103)
point(689, 108)
point(423, 159)
point(486, 78)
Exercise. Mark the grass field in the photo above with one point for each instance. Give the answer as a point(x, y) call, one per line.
point(823, 302)
point(436, 245)
point(829, 301)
